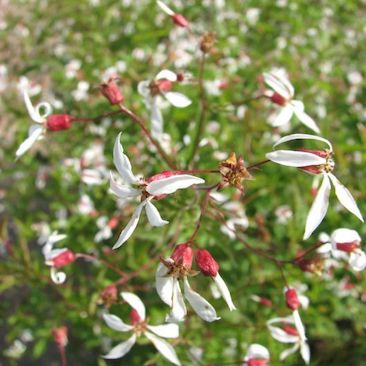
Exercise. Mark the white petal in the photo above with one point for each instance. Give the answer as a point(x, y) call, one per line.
point(224, 291)
point(257, 351)
point(299, 325)
point(47, 110)
point(345, 198)
point(289, 352)
point(166, 74)
point(122, 191)
point(283, 117)
point(122, 162)
point(143, 88)
point(157, 121)
point(135, 303)
point(306, 119)
point(305, 352)
point(164, 284)
point(33, 112)
point(318, 209)
point(121, 349)
point(302, 136)
point(201, 306)
point(357, 260)
point(178, 100)
point(295, 158)
point(35, 132)
point(166, 330)
point(280, 85)
point(130, 227)
point(172, 184)
point(345, 236)
point(179, 310)
point(57, 277)
point(164, 348)
point(153, 215)
point(116, 323)
point(165, 8)
point(281, 336)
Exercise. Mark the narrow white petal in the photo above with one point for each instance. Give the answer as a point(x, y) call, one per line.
point(302, 136)
point(116, 323)
point(283, 117)
point(121, 349)
point(201, 306)
point(35, 132)
point(135, 303)
point(33, 113)
point(164, 348)
point(179, 310)
point(299, 325)
point(143, 88)
point(318, 209)
point(122, 162)
point(306, 119)
point(166, 74)
point(172, 184)
point(47, 109)
point(157, 122)
point(153, 215)
point(257, 351)
point(122, 191)
point(345, 198)
point(289, 352)
point(165, 8)
point(295, 158)
point(224, 291)
point(178, 100)
point(277, 84)
point(57, 277)
point(164, 284)
point(357, 260)
point(130, 227)
point(166, 330)
point(281, 336)
point(305, 352)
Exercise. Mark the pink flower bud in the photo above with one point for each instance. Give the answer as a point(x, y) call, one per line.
point(109, 294)
point(278, 99)
point(58, 122)
point(292, 299)
point(180, 20)
point(257, 362)
point(347, 247)
point(63, 259)
point(111, 91)
point(135, 317)
point(207, 265)
point(183, 255)
point(113, 222)
point(60, 336)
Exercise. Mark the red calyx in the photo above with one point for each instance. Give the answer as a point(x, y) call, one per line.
point(183, 255)
point(292, 300)
point(135, 317)
point(63, 259)
point(278, 99)
point(58, 122)
point(180, 20)
point(347, 247)
point(60, 336)
point(111, 91)
point(290, 330)
point(257, 362)
point(206, 263)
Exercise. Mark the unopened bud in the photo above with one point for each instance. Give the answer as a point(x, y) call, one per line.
point(60, 336)
point(292, 300)
point(183, 255)
point(109, 294)
point(111, 91)
point(207, 42)
point(58, 122)
point(180, 20)
point(63, 259)
point(135, 317)
point(206, 263)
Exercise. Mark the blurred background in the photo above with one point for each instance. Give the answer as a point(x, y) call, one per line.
point(60, 52)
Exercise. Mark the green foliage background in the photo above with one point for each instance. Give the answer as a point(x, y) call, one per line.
point(325, 41)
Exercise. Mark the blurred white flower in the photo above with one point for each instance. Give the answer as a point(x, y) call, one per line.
point(257, 355)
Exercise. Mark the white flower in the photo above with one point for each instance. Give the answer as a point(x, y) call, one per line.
point(36, 131)
point(153, 90)
point(257, 355)
point(105, 231)
point(316, 162)
point(345, 244)
point(140, 327)
point(155, 187)
point(282, 95)
point(286, 333)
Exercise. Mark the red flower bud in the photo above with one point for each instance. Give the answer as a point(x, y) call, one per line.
point(63, 259)
point(278, 99)
point(111, 91)
point(257, 362)
point(266, 302)
point(135, 317)
point(180, 20)
point(58, 122)
point(109, 294)
point(60, 336)
point(347, 247)
point(207, 265)
point(183, 255)
point(292, 299)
